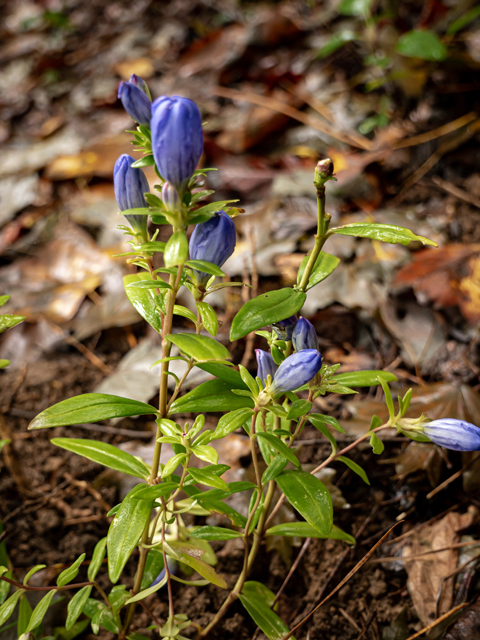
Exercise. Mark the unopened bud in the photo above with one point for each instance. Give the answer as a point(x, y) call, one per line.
point(323, 171)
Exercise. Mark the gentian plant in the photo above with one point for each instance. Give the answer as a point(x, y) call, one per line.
point(156, 522)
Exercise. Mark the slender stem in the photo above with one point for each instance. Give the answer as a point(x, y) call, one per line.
point(320, 238)
point(167, 574)
point(27, 587)
point(174, 282)
point(180, 384)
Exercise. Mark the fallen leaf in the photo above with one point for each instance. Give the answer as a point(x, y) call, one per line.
point(426, 574)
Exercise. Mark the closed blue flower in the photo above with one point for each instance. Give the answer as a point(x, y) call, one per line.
point(170, 198)
point(284, 328)
point(266, 365)
point(304, 335)
point(130, 184)
point(453, 434)
point(140, 83)
point(295, 371)
point(213, 241)
point(177, 139)
point(135, 101)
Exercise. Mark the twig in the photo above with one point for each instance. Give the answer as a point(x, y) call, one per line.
point(436, 133)
point(438, 620)
point(461, 194)
point(358, 566)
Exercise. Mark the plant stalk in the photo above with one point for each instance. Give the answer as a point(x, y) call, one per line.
point(320, 237)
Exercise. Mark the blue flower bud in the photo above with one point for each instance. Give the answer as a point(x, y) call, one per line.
point(304, 335)
point(141, 84)
point(213, 241)
point(177, 139)
point(135, 102)
point(295, 371)
point(284, 328)
point(266, 365)
point(130, 184)
point(170, 198)
point(453, 434)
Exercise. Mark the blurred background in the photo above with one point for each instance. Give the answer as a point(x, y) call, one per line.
point(390, 90)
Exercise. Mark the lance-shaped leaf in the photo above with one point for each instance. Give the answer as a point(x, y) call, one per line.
point(364, 378)
point(213, 395)
point(383, 232)
point(39, 612)
point(90, 407)
point(198, 347)
point(310, 497)
point(144, 300)
point(174, 549)
point(281, 447)
point(105, 454)
point(76, 606)
point(266, 309)
point(325, 264)
point(257, 600)
point(305, 530)
point(231, 422)
point(125, 531)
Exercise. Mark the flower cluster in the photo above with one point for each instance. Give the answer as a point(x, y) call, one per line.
point(297, 369)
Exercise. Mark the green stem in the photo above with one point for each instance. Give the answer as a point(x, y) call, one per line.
point(320, 238)
point(174, 282)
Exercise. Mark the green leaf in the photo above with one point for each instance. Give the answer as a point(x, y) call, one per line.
point(280, 446)
point(220, 507)
point(76, 605)
point(266, 309)
point(97, 559)
point(199, 347)
point(231, 421)
point(146, 161)
point(222, 371)
point(274, 469)
point(4, 363)
point(383, 232)
point(4, 300)
point(143, 300)
point(117, 597)
point(24, 615)
point(173, 463)
point(125, 531)
point(356, 468)
point(176, 250)
point(201, 567)
point(324, 430)
point(258, 608)
point(376, 444)
point(71, 572)
point(325, 264)
point(178, 310)
point(364, 378)
point(206, 477)
point(39, 612)
point(150, 284)
point(421, 44)
point(461, 22)
point(206, 267)
point(147, 592)
point(336, 42)
point(100, 614)
point(33, 570)
point(215, 533)
point(355, 7)
point(299, 408)
point(105, 454)
point(90, 407)
point(9, 605)
point(153, 567)
point(213, 395)
point(205, 453)
point(310, 497)
point(305, 530)
point(318, 419)
point(209, 318)
point(207, 211)
point(9, 321)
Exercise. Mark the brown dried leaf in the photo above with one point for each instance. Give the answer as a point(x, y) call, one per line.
point(426, 574)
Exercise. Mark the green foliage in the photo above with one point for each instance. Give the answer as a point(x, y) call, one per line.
point(90, 407)
point(422, 44)
point(257, 600)
point(309, 497)
point(268, 308)
point(383, 232)
point(200, 348)
point(145, 301)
